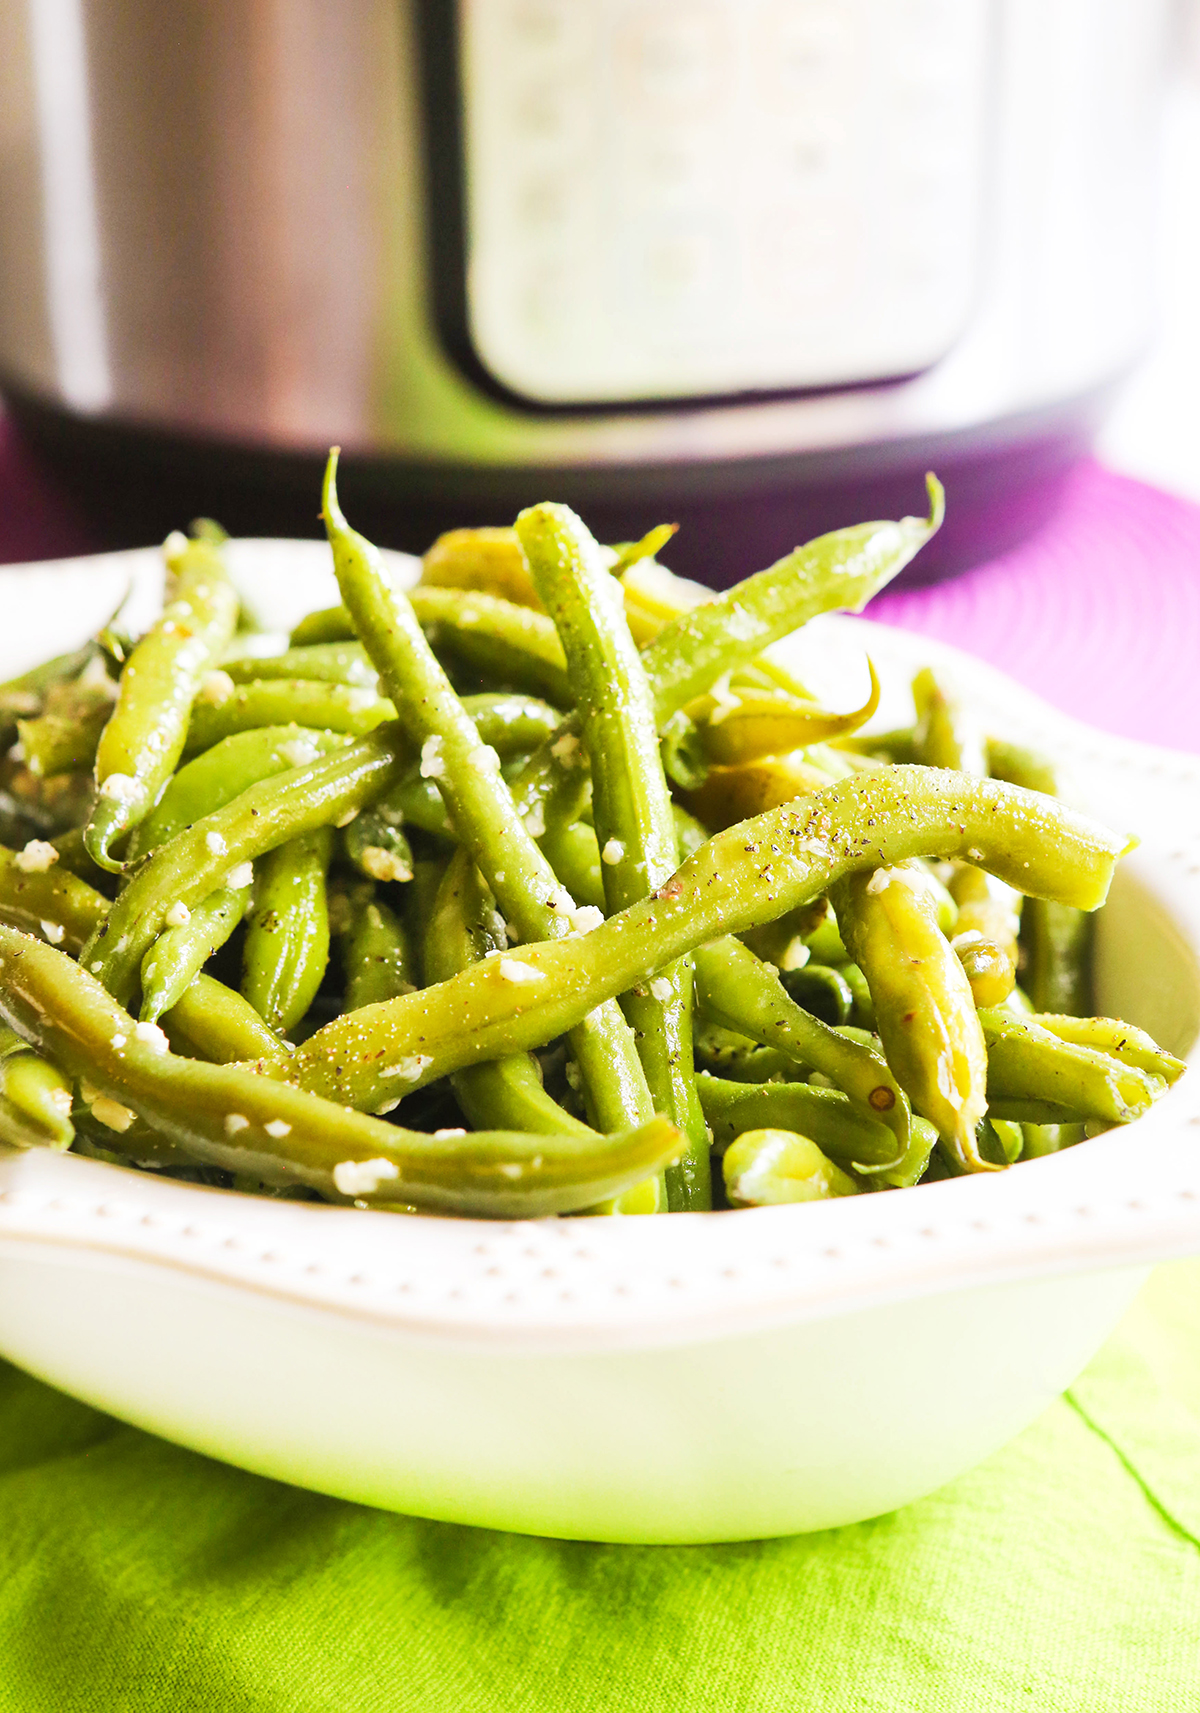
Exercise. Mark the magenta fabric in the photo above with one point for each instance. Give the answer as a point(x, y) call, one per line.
point(1099, 612)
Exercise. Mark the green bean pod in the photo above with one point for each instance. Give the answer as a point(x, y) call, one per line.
point(287, 936)
point(377, 957)
point(1027, 1063)
point(574, 855)
point(209, 1018)
point(25, 695)
point(631, 802)
point(181, 950)
point(924, 1011)
point(38, 1094)
point(326, 624)
point(836, 572)
point(1120, 1040)
point(478, 800)
point(212, 1021)
point(324, 662)
point(509, 644)
point(1057, 943)
point(751, 874)
point(498, 637)
point(766, 1168)
point(508, 1093)
point(945, 734)
point(374, 843)
point(61, 743)
point(487, 559)
point(50, 902)
point(226, 1116)
point(745, 728)
point(196, 861)
point(738, 990)
point(725, 1053)
point(835, 1123)
point(351, 709)
point(1021, 766)
point(144, 737)
point(221, 773)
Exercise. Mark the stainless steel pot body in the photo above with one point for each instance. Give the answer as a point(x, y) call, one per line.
point(576, 236)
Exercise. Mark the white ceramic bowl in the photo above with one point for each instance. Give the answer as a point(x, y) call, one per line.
point(697, 1378)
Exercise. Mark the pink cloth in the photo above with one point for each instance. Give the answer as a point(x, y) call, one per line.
point(1099, 613)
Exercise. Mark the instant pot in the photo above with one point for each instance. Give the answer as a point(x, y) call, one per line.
point(752, 263)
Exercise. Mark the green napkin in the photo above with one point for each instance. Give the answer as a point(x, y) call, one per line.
point(1062, 1575)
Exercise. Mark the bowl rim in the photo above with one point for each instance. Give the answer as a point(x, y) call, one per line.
point(572, 1284)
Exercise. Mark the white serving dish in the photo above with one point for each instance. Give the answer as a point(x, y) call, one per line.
point(697, 1378)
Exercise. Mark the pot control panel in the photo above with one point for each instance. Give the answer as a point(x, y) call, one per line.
point(665, 199)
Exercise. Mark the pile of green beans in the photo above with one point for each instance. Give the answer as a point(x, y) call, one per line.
point(541, 889)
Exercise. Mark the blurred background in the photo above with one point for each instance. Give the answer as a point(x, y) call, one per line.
point(750, 264)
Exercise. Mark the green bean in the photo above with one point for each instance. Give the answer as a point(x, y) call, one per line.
point(631, 803)
point(1120, 1040)
point(62, 743)
point(923, 1006)
point(574, 855)
point(144, 738)
point(287, 937)
point(226, 1116)
point(73, 857)
point(739, 991)
point(374, 843)
point(836, 571)
point(750, 874)
point(24, 695)
point(821, 989)
point(198, 859)
point(765, 1168)
point(178, 954)
point(507, 1094)
point(732, 794)
point(508, 642)
point(751, 726)
point(1028, 1063)
point(324, 662)
point(17, 1130)
point(376, 957)
point(1021, 766)
point(39, 1095)
point(208, 1017)
point(487, 560)
point(862, 1014)
point(727, 1054)
point(841, 571)
point(830, 1117)
point(630, 553)
point(352, 709)
point(893, 746)
point(945, 735)
point(478, 802)
point(1040, 1139)
point(223, 772)
point(214, 1022)
point(1057, 941)
point(326, 624)
point(51, 902)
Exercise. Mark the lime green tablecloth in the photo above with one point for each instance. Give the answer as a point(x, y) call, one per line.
point(1063, 1575)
